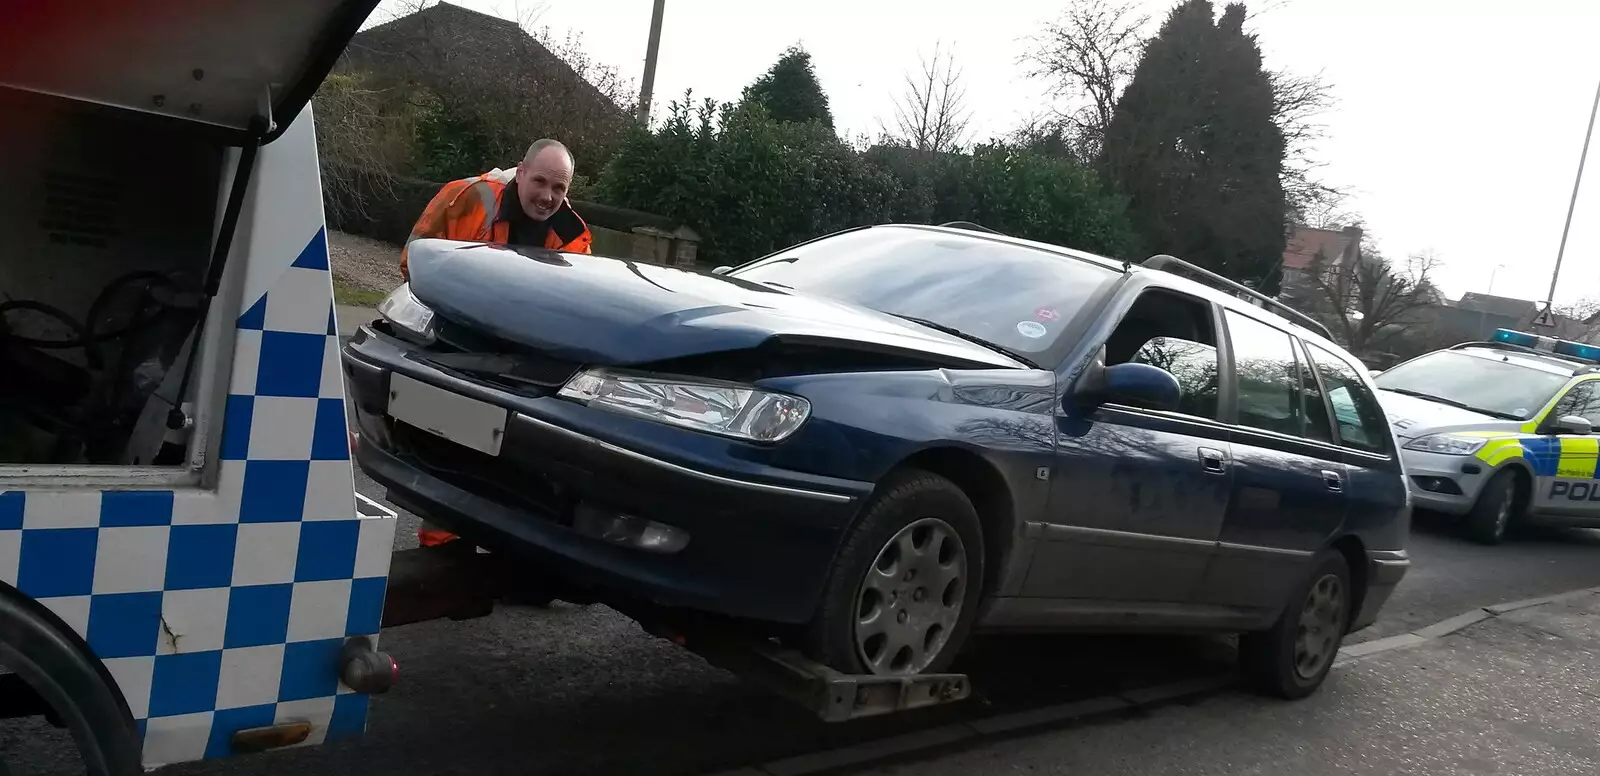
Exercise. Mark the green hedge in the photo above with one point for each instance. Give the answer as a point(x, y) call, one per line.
point(380, 208)
point(750, 186)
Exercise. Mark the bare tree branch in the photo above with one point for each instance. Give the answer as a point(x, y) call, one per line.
point(1299, 103)
point(931, 114)
point(1087, 57)
point(526, 13)
point(1581, 310)
point(1371, 298)
point(361, 145)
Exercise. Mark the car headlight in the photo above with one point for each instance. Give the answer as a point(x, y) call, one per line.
point(727, 409)
point(414, 318)
point(1446, 444)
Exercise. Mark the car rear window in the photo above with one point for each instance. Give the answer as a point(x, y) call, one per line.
point(1360, 419)
point(1018, 297)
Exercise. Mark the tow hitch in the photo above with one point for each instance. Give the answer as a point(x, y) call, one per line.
point(832, 695)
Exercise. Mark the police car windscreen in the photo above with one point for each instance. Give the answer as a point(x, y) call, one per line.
point(1014, 296)
point(1492, 386)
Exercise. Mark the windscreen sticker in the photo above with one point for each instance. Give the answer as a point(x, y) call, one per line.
point(1031, 329)
point(1046, 314)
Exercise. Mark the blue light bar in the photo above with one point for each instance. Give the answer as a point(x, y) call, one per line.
point(1578, 350)
point(1516, 338)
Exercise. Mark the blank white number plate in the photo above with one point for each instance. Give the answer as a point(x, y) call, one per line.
point(465, 421)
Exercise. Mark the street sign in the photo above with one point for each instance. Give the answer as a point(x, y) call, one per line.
point(1545, 318)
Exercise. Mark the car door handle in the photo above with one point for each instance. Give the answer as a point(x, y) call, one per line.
point(1214, 461)
point(1332, 480)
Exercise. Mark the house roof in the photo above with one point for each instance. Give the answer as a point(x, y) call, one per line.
point(1497, 305)
point(1305, 243)
point(458, 50)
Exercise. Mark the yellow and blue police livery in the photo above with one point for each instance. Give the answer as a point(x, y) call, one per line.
point(1500, 431)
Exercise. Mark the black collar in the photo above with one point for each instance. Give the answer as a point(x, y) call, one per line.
point(565, 222)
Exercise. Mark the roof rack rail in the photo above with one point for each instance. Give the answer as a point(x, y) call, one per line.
point(1206, 277)
point(970, 226)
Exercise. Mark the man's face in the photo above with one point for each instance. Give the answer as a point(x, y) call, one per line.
point(542, 182)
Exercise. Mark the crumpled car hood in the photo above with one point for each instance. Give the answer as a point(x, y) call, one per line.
point(598, 310)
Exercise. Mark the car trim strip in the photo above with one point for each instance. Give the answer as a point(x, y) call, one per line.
point(1256, 549)
point(836, 498)
point(1110, 536)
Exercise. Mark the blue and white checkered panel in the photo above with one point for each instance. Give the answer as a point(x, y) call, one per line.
point(217, 611)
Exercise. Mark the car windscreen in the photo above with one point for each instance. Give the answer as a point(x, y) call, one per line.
point(1016, 297)
point(1488, 385)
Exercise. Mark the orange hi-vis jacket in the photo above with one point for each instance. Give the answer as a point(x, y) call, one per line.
point(473, 209)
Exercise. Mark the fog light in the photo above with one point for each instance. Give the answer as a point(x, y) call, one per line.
point(629, 531)
point(1441, 485)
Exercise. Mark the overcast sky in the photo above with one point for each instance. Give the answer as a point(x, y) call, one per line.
point(1458, 124)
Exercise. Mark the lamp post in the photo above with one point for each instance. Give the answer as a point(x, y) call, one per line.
point(651, 49)
point(1583, 157)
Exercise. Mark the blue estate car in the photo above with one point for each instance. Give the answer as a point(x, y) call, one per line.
point(886, 438)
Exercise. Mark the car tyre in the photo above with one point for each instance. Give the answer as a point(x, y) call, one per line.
point(1495, 510)
point(904, 590)
point(1291, 659)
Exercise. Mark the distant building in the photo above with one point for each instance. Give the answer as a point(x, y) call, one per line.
point(452, 50)
point(1339, 249)
point(1476, 316)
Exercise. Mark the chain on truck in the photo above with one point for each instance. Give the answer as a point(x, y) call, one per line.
point(186, 570)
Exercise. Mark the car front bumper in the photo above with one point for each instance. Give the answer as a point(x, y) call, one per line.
point(761, 544)
point(1444, 483)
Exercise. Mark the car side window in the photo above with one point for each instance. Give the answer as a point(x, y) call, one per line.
point(1266, 375)
point(1355, 409)
point(1581, 400)
point(1317, 425)
point(1174, 332)
point(1195, 366)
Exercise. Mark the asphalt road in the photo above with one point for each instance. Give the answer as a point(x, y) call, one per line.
point(1511, 695)
point(582, 690)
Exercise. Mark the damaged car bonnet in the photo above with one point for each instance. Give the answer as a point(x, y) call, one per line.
point(597, 310)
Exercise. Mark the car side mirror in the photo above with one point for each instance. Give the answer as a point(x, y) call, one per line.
point(1139, 385)
point(722, 270)
point(1572, 424)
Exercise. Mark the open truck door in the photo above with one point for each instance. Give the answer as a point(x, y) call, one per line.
point(184, 570)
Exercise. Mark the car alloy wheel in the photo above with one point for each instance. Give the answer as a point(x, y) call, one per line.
point(1502, 516)
point(1321, 624)
point(1491, 518)
point(911, 598)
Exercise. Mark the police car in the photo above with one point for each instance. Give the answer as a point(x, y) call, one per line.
point(1500, 432)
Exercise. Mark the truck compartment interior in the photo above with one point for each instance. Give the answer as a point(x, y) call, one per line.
point(106, 225)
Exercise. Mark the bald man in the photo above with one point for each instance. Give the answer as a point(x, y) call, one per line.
point(525, 206)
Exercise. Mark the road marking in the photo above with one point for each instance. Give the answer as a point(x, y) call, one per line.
point(1447, 627)
point(1459, 622)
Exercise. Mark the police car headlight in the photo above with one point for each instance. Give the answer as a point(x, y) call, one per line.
point(727, 409)
point(404, 310)
point(1446, 444)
